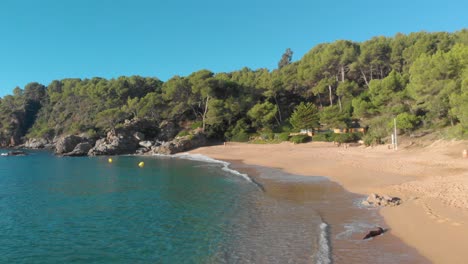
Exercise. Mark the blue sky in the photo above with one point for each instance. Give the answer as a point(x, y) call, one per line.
point(55, 39)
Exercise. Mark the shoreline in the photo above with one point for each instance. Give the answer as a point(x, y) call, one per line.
point(344, 222)
point(431, 180)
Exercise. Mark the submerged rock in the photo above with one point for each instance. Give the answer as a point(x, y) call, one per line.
point(15, 153)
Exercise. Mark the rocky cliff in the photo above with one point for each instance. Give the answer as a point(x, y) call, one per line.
point(136, 136)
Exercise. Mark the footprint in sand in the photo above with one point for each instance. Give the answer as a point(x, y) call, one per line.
point(439, 219)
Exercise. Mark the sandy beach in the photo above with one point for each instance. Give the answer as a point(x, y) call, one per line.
point(431, 179)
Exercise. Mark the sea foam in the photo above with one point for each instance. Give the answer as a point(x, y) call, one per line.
point(203, 158)
point(323, 254)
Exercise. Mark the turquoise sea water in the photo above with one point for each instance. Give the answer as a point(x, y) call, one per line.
point(86, 210)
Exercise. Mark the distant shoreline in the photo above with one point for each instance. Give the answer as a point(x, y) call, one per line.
point(432, 181)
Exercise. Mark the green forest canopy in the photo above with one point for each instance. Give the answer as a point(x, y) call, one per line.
point(420, 78)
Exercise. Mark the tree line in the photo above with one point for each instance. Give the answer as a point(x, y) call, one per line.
point(421, 79)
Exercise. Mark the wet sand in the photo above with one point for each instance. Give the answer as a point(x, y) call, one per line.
point(347, 221)
point(432, 181)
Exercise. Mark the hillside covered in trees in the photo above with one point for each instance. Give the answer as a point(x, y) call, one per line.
point(420, 78)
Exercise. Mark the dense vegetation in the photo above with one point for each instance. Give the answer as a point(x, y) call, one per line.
point(420, 78)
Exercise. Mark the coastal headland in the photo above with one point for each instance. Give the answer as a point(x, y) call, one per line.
point(431, 179)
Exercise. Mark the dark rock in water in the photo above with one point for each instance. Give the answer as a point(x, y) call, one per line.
point(81, 149)
point(15, 153)
point(374, 233)
point(180, 144)
point(381, 200)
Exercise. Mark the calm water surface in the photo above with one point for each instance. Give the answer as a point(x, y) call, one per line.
point(86, 210)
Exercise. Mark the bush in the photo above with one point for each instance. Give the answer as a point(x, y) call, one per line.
point(91, 133)
point(347, 137)
point(76, 128)
point(378, 129)
point(183, 133)
point(197, 124)
point(325, 137)
point(282, 136)
point(358, 136)
point(242, 136)
point(405, 121)
point(300, 139)
point(267, 136)
point(285, 127)
point(341, 138)
point(119, 125)
point(371, 139)
point(241, 127)
point(455, 132)
point(40, 129)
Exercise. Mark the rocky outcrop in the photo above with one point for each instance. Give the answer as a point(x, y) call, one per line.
point(81, 149)
point(167, 130)
point(139, 136)
point(376, 200)
point(116, 142)
point(141, 129)
point(146, 144)
point(18, 123)
point(73, 145)
point(16, 130)
point(134, 136)
point(37, 143)
point(125, 139)
point(67, 144)
point(180, 144)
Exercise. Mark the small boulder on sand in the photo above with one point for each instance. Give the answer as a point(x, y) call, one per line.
point(376, 200)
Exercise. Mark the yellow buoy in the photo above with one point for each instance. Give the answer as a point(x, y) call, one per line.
point(110, 160)
point(141, 164)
